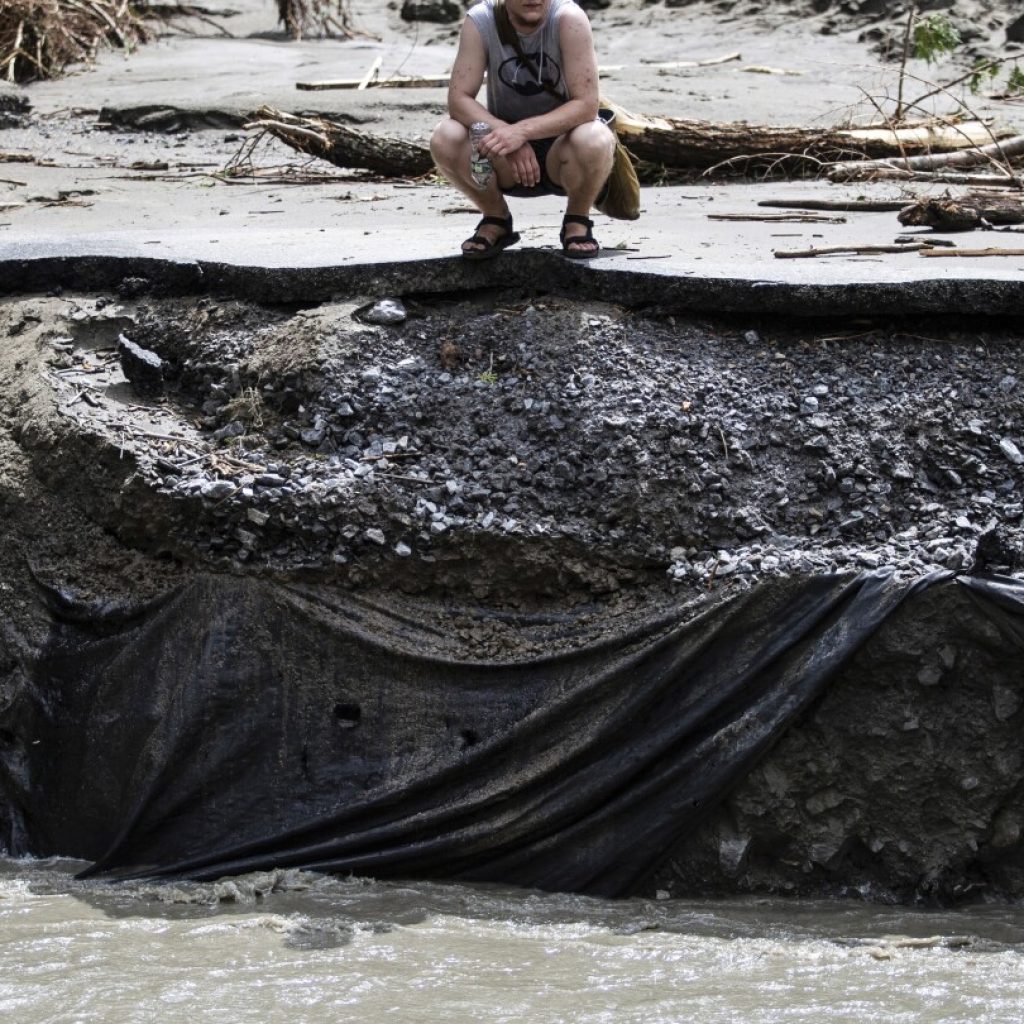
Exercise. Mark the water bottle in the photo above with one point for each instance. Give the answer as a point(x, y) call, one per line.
point(480, 169)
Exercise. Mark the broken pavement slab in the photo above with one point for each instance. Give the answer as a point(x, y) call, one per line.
point(394, 239)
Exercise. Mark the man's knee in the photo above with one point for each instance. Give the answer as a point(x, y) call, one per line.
point(592, 144)
point(448, 139)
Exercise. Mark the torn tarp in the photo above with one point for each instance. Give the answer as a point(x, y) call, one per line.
point(241, 724)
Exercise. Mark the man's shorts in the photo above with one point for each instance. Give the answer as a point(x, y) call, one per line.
point(544, 187)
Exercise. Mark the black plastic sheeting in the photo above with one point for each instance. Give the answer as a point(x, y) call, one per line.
point(240, 724)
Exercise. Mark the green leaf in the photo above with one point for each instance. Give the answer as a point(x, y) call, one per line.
point(934, 37)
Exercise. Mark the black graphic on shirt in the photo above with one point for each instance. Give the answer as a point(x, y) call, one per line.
point(520, 79)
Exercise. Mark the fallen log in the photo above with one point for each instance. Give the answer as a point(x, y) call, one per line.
point(675, 142)
point(344, 146)
point(963, 213)
point(678, 144)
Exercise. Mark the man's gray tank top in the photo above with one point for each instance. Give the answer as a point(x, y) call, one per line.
point(513, 93)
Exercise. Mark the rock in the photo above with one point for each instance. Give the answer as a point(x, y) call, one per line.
point(1011, 451)
point(732, 852)
point(402, 549)
point(826, 800)
point(375, 536)
point(233, 429)
point(270, 480)
point(440, 11)
point(144, 369)
point(14, 104)
point(1005, 702)
point(217, 490)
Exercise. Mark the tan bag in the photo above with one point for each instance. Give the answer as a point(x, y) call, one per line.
point(622, 199)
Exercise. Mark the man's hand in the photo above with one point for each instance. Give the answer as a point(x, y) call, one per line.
point(503, 140)
point(525, 167)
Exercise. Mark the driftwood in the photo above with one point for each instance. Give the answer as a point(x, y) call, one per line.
point(840, 205)
point(964, 213)
point(674, 142)
point(344, 146)
point(849, 250)
point(1004, 150)
point(39, 38)
point(678, 144)
point(971, 253)
point(876, 173)
point(393, 82)
point(323, 18)
point(779, 218)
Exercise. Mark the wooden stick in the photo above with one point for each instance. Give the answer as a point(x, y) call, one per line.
point(843, 205)
point(764, 69)
point(779, 218)
point(371, 73)
point(394, 82)
point(706, 63)
point(971, 253)
point(852, 250)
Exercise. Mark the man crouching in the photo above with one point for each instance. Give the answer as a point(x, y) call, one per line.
point(542, 105)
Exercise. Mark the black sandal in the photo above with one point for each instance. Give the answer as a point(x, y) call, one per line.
point(579, 254)
point(490, 249)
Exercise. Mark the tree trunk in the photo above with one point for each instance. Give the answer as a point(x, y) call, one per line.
point(346, 147)
point(703, 144)
point(673, 143)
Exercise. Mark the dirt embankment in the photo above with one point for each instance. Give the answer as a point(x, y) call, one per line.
point(534, 452)
point(706, 454)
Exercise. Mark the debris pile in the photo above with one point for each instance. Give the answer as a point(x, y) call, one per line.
point(40, 38)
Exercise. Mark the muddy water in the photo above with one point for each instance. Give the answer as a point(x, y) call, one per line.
point(297, 947)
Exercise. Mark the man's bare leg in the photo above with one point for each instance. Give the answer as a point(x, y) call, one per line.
point(580, 162)
point(449, 146)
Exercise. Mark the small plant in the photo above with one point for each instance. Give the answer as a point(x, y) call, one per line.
point(247, 408)
point(488, 377)
point(982, 72)
point(935, 37)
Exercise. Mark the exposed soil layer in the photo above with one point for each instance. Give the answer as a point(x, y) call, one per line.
point(538, 453)
point(904, 783)
point(712, 453)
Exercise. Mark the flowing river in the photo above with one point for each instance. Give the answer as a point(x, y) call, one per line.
point(295, 947)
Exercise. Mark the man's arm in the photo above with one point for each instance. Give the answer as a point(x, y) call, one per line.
point(467, 77)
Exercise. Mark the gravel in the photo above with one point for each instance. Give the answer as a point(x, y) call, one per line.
point(711, 454)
